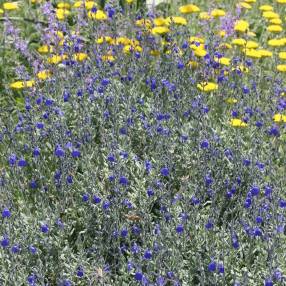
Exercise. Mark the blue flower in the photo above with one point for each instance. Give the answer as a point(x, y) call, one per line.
point(59, 152)
point(138, 276)
point(205, 144)
point(165, 172)
point(75, 153)
point(44, 228)
point(148, 254)
point(22, 163)
point(6, 213)
point(123, 181)
point(5, 242)
point(212, 266)
point(96, 199)
point(179, 228)
point(15, 249)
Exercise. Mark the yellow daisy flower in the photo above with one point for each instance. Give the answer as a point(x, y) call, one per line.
point(241, 26)
point(160, 30)
point(207, 86)
point(279, 118)
point(44, 74)
point(10, 5)
point(80, 57)
point(22, 84)
point(235, 122)
point(188, 9)
point(281, 68)
point(98, 15)
point(266, 8)
point(282, 55)
point(216, 13)
point(274, 28)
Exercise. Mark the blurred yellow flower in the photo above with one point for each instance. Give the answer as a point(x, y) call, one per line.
point(56, 59)
point(45, 49)
point(144, 23)
point(1, 11)
point(129, 1)
point(276, 21)
point(239, 42)
point(22, 84)
point(80, 57)
point(266, 8)
point(129, 48)
point(159, 21)
point(87, 4)
point(207, 86)
point(193, 64)
point(274, 28)
point(177, 20)
point(244, 5)
point(225, 46)
point(279, 118)
point(155, 53)
point(108, 58)
point(10, 5)
point(281, 1)
point(160, 30)
point(241, 26)
point(231, 100)
point(204, 16)
point(235, 122)
point(282, 55)
point(270, 15)
point(98, 15)
point(62, 13)
point(252, 53)
point(63, 5)
point(276, 42)
point(250, 1)
point(281, 68)
point(190, 8)
point(224, 61)
point(265, 53)
point(217, 13)
point(44, 74)
point(200, 52)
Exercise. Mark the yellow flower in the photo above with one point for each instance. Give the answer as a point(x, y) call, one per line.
point(56, 59)
point(64, 5)
point(244, 5)
point(22, 84)
point(87, 4)
point(231, 100)
point(122, 41)
point(204, 16)
point(281, 1)
point(281, 68)
point(276, 42)
point(80, 57)
point(44, 74)
point(159, 22)
point(207, 86)
point(265, 53)
point(241, 26)
point(108, 58)
point(251, 45)
point(241, 68)
point(282, 55)
point(235, 122)
point(193, 64)
point(10, 5)
point(270, 15)
point(239, 42)
point(62, 13)
point(200, 52)
point(144, 23)
point(129, 48)
point(160, 30)
point(196, 40)
point(225, 46)
point(252, 53)
point(176, 20)
point(106, 39)
point(217, 13)
point(266, 8)
point(155, 53)
point(129, 1)
point(250, 1)
point(274, 28)
point(98, 15)
point(276, 21)
point(1, 11)
point(188, 9)
point(45, 49)
point(279, 118)
point(224, 61)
